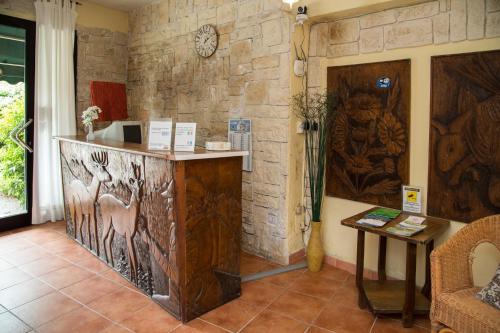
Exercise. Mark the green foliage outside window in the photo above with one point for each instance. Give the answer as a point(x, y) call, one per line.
point(11, 155)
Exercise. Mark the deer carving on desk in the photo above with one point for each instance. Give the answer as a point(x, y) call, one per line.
point(121, 218)
point(82, 198)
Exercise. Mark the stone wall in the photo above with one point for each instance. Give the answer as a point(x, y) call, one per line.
point(247, 77)
point(434, 22)
point(102, 56)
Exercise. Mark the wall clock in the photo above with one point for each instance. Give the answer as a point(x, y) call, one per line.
point(206, 40)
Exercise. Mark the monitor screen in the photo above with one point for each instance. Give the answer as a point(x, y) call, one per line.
point(132, 133)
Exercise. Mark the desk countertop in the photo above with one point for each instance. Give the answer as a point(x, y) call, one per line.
point(142, 149)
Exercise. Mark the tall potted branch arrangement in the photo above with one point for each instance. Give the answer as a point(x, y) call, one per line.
point(317, 113)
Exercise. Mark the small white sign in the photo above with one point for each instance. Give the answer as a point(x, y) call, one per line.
point(185, 135)
point(412, 199)
point(160, 135)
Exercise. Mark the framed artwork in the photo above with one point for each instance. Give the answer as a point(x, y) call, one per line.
point(368, 144)
point(464, 152)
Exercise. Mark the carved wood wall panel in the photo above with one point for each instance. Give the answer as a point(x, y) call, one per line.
point(171, 228)
point(464, 151)
point(368, 144)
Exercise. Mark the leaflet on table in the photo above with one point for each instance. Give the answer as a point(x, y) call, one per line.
point(185, 135)
point(408, 227)
point(379, 217)
point(160, 134)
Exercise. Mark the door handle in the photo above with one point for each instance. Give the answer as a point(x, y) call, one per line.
point(18, 130)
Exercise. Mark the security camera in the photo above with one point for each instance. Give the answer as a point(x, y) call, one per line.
point(301, 15)
point(302, 10)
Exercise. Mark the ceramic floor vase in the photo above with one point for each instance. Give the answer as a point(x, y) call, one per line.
point(315, 252)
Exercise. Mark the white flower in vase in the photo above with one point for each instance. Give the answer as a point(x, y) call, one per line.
point(88, 117)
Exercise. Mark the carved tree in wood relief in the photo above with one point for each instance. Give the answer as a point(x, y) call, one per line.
point(368, 155)
point(464, 156)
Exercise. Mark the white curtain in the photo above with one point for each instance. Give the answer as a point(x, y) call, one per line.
point(54, 103)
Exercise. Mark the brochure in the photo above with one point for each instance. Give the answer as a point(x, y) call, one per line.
point(379, 217)
point(408, 227)
point(185, 134)
point(160, 134)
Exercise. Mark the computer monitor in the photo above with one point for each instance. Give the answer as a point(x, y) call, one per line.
point(125, 131)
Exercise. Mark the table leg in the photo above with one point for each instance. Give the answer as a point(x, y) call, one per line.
point(411, 265)
point(382, 250)
point(426, 290)
point(360, 257)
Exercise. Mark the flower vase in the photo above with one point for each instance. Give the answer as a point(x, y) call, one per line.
point(90, 133)
point(315, 252)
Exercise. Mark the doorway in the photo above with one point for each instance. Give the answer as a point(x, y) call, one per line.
point(17, 84)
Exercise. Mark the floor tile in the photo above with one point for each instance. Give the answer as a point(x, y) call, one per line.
point(45, 309)
point(269, 321)
point(314, 329)
point(44, 265)
point(231, 316)
point(199, 326)
point(151, 319)
point(117, 278)
point(24, 292)
point(315, 286)
point(75, 253)
point(24, 256)
point(298, 306)
point(253, 265)
point(59, 245)
point(284, 279)
point(13, 244)
point(385, 325)
point(41, 236)
point(115, 329)
point(94, 265)
point(65, 276)
point(347, 296)
point(12, 277)
point(10, 324)
point(342, 319)
point(81, 320)
point(119, 305)
point(331, 273)
point(90, 289)
point(4, 265)
point(259, 293)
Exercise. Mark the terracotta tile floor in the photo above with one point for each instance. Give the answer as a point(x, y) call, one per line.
point(49, 284)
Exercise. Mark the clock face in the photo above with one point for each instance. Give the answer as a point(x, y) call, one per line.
point(206, 40)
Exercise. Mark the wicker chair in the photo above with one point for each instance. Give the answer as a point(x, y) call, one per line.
point(453, 293)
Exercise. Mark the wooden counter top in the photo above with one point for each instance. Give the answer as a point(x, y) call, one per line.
point(142, 149)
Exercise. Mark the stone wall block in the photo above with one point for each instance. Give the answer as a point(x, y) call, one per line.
point(371, 40)
point(378, 19)
point(341, 50)
point(458, 20)
point(419, 11)
point(344, 31)
point(271, 32)
point(493, 25)
point(241, 52)
point(257, 93)
point(492, 5)
point(441, 28)
point(475, 19)
point(226, 13)
point(408, 34)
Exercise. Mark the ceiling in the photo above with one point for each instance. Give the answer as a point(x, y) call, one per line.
point(124, 5)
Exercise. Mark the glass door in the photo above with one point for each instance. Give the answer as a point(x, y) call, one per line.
point(17, 60)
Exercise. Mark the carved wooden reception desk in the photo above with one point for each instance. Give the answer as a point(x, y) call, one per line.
point(168, 222)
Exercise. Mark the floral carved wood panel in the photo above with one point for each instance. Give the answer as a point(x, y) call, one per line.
point(368, 143)
point(464, 152)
